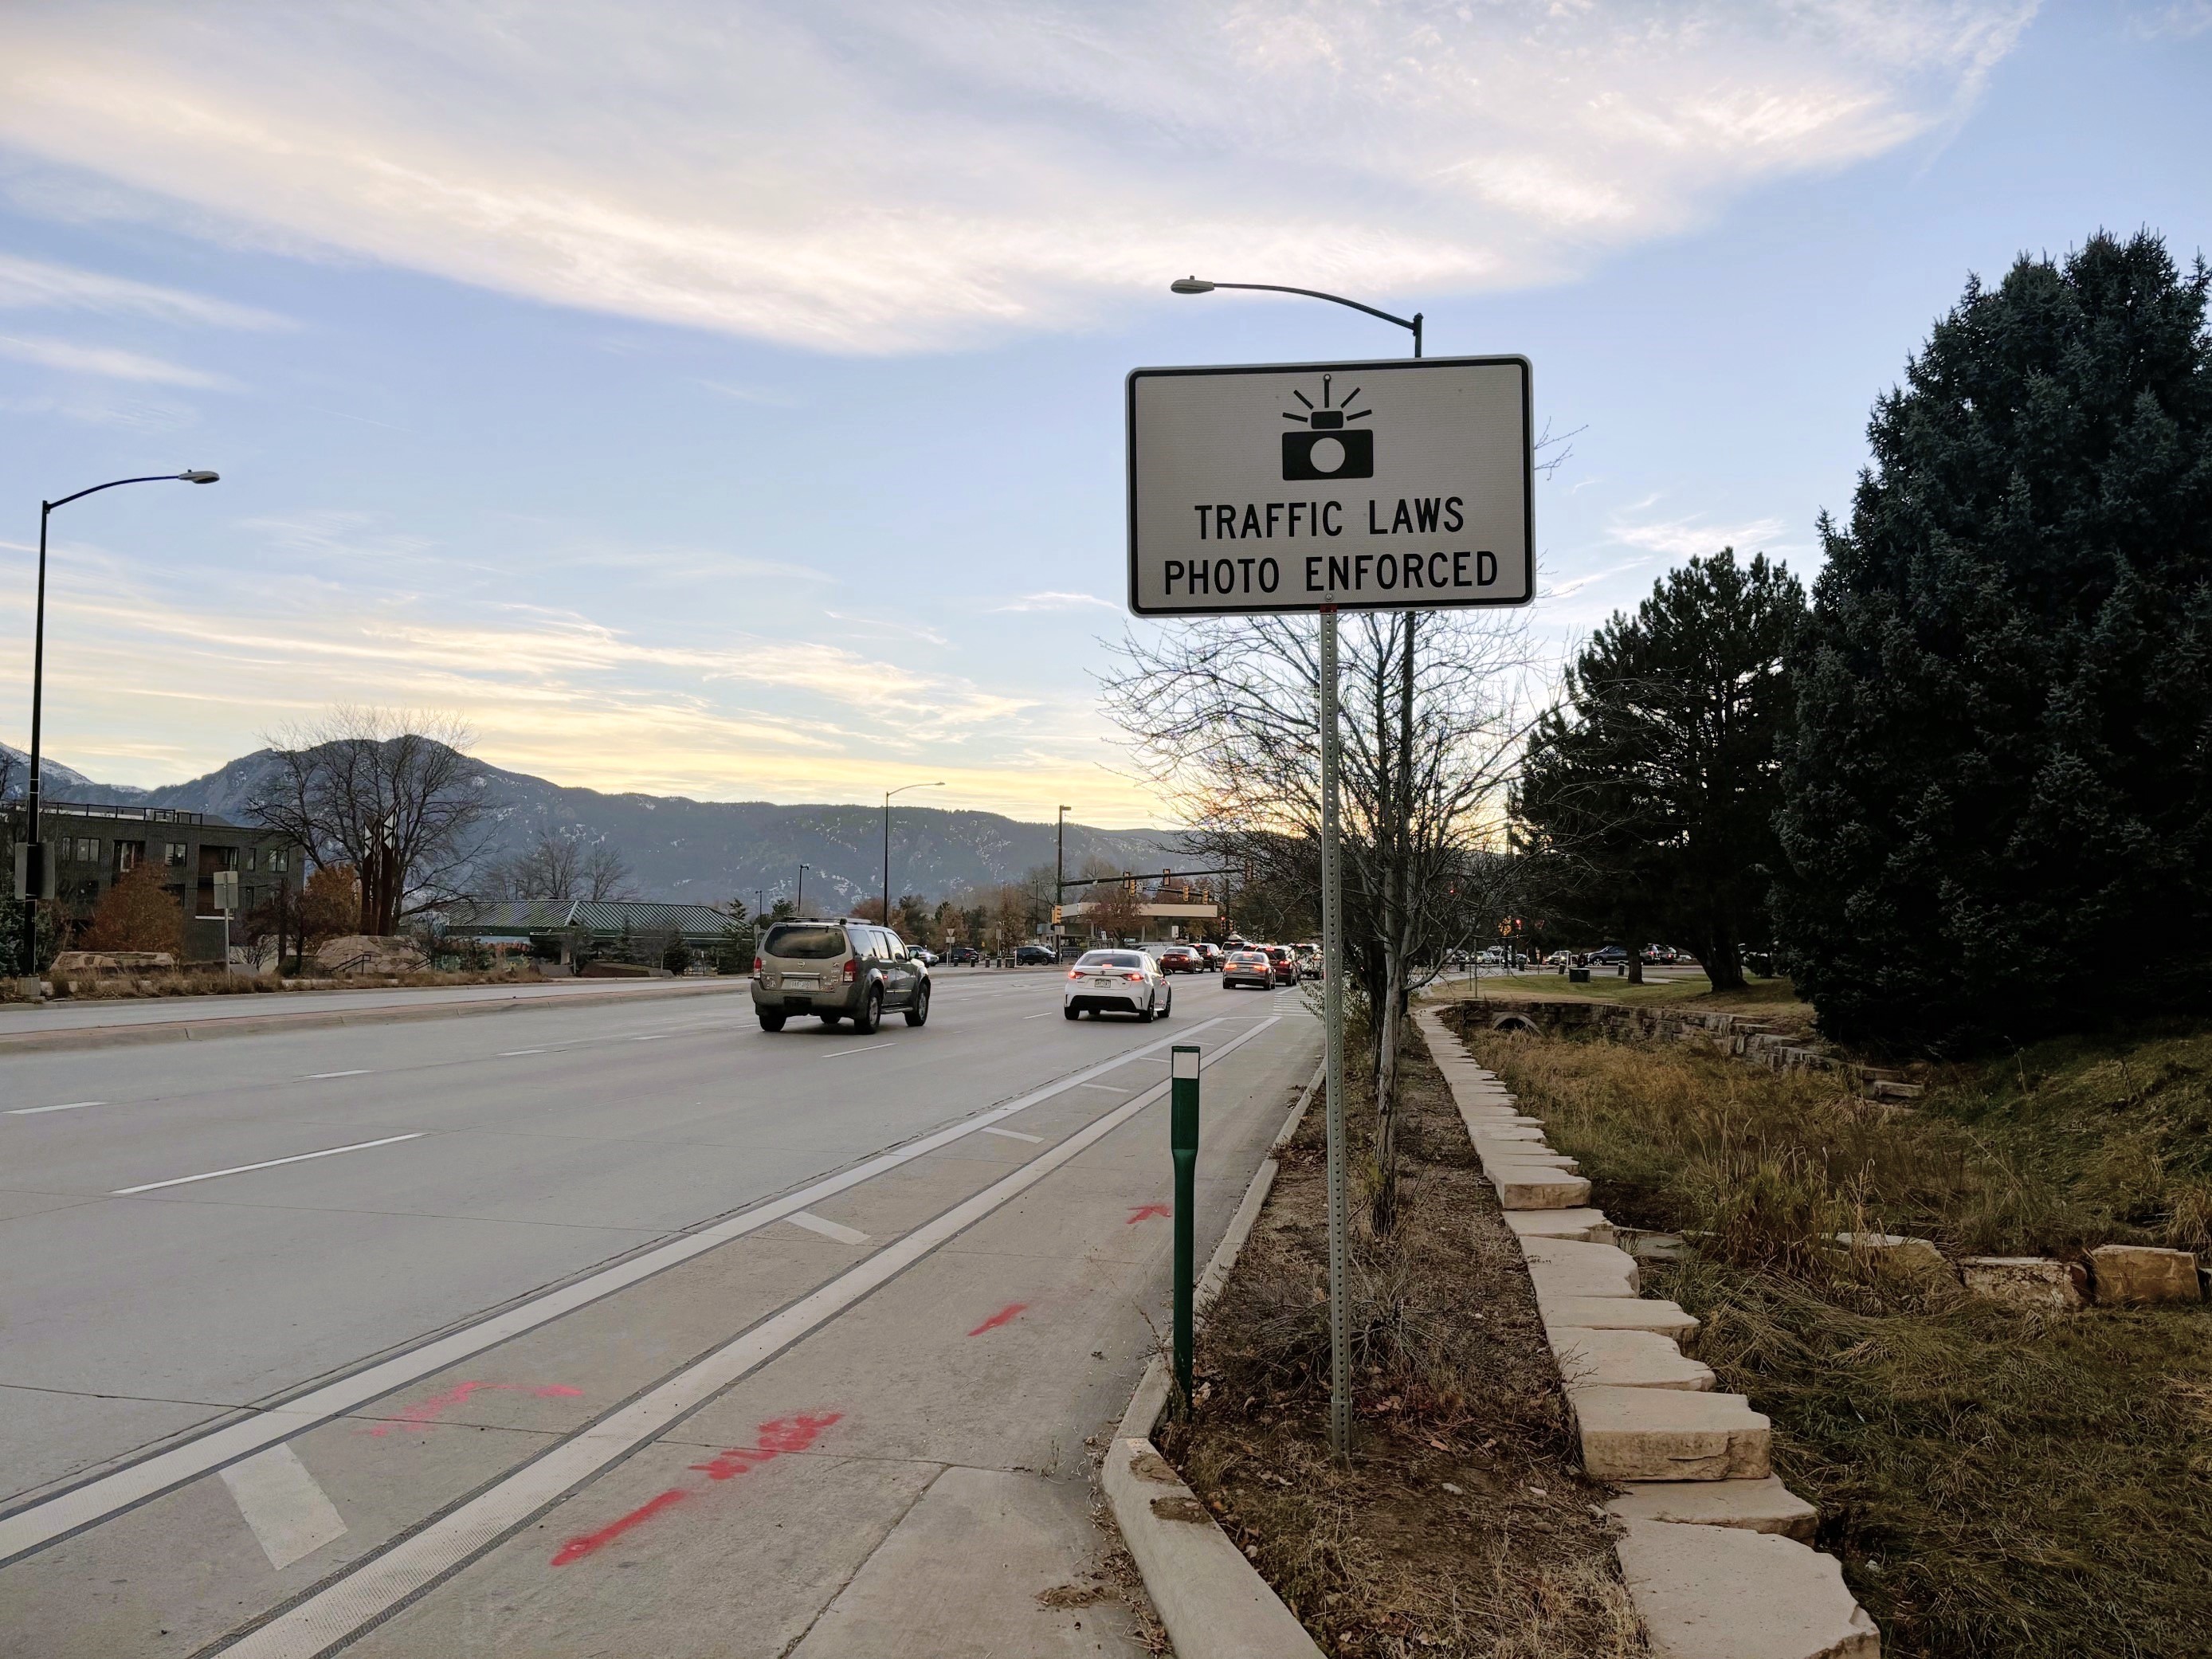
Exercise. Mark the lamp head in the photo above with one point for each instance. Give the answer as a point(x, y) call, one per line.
point(1189, 285)
point(196, 476)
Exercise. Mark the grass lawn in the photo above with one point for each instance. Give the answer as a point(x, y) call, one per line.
point(1995, 1481)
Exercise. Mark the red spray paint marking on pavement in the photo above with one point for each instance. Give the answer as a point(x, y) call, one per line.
point(1005, 1315)
point(423, 1412)
point(1145, 1212)
point(773, 1439)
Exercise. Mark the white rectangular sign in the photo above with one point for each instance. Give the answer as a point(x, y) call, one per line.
point(1403, 484)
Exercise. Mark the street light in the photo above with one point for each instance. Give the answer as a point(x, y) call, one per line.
point(35, 851)
point(1059, 879)
point(887, 794)
point(799, 899)
point(1339, 1400)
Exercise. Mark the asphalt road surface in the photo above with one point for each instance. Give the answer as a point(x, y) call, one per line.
point(610, 1328)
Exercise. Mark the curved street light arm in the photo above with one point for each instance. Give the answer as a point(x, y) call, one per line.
point(155, 477)
point(1413, 324)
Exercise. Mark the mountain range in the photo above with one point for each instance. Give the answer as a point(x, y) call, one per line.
point(708, 852)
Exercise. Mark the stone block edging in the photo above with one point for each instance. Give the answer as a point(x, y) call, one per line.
point(1710, 1544)
point(1211, 1600)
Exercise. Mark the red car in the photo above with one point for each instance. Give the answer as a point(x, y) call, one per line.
point(1284, 962)
point(1180, 959)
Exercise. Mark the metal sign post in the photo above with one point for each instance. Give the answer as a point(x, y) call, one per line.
point(1182, 1146)
point(1403, 484)
point(226, 899)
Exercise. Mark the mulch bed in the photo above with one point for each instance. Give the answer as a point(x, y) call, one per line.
point(1463, 1524)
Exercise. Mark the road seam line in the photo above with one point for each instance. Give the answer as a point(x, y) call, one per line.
point(38, 1524)
point(416, 1564)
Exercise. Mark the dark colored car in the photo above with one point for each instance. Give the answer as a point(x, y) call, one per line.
point(1029, 956)
point(1209, 954)
point(1248, 968)
point(1284, 962)
point(837, 969)
point(962, 956)
point(1605, 956)
point(1180, 959)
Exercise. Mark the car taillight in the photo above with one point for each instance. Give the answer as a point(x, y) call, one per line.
point(852, 966)
point(756, 964)
point(1133, 974)
point(1075, 973)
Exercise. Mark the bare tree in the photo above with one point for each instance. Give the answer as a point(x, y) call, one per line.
point(1225, 717)
point(392, 794)
point(558, 870)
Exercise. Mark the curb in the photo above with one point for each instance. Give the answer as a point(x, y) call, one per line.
point(1211, 1600)
point(200, 1030)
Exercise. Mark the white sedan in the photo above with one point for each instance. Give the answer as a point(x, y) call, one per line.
point(1116, 982)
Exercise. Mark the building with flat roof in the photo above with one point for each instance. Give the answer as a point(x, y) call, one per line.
point(92, 846)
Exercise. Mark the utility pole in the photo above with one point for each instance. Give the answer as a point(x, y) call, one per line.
point(1058, 873)
point(798, 905)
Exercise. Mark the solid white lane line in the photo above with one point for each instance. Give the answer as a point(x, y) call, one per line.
point(1015, 1134)
point(815, 1223)
point(655, 1037)
point(359, 1598)
point(1108, 1087)
point(267, 1164)
point(66, 1106)
point(41, 1524)
point(839, 1054)
point(1047, 1014)
point(290, 1515)
point(509, 1053)
point(323, 1077)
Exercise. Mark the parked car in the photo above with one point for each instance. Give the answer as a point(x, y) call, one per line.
point(1116, 982)
point(1029, 956)
point(836, 970)
point(927, 958)
point(1285, 965)
point(1248, 967)
point(1608, 955)
point(962, 956)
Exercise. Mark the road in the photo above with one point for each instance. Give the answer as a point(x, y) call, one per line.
point(616, 1327)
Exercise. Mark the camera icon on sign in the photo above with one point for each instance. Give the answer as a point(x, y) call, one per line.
point(1329, 448)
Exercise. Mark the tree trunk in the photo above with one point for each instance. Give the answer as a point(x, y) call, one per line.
point(1387, 1029)
point(1635, 964)
point(1724, 965)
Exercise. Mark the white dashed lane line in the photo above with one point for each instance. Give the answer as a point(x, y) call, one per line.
point(66, 1106)
point(267, 1164)
point(324, 1077)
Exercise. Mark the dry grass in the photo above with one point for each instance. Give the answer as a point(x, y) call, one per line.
point(1771, 999)
point(1996, 1482)
point(1456, 1388)
point(101, 987)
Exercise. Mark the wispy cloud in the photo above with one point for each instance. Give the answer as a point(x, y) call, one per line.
point(28, 284)
point(109, 362)
point(1694, 538)
point(872, 175)
point(1055, 601)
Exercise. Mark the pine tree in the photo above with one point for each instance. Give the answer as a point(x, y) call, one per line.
point(1650, 794)
point(1999, 788)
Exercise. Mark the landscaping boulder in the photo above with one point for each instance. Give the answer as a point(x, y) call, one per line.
point(369, 953)
point(112, 961)
point(1917, 1256)
point(2024, 1281)
point(2133, 1275)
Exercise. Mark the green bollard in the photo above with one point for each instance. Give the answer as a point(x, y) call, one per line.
point(1182, 1143)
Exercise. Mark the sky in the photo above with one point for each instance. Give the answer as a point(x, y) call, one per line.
point(723, 398)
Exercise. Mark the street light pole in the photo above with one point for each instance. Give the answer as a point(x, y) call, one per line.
point(1059, 876)
point(887, 794)
point(35, 850)
point(1340, 1335)
point(798, 900)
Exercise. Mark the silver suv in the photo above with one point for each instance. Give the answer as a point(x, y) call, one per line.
point(837, 969)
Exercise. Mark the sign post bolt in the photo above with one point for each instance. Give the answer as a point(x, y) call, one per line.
point(1182, 1143)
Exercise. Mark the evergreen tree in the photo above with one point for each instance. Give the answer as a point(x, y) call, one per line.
point(1999, 789)
point(1649, 795)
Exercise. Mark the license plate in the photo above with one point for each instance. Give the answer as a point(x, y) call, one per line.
point(802, 982)
point(1102, 983)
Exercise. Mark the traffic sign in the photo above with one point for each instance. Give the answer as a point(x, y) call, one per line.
point(1402, 484)
point(225, 891)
